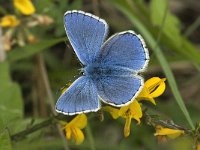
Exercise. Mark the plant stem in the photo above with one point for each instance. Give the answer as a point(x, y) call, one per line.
point(192, 27)
point(2, 52)
point(50, 98)
point(52, 120)
point(159, 54)
point(22, 134)
point(150, 120)
point(90, 136)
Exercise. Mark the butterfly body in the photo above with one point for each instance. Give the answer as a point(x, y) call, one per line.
point(112, 68)
point(96, 71)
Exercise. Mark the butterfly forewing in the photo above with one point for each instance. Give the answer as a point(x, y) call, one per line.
point(86, 33)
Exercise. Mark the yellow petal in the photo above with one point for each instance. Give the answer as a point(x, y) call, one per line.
point(171, 133)
point(127, 126)
point(198, 146)
point(156, 86)
point(68, 133)
point(153, 88)
point(123, 111)
point(144, 95)
point(136, 110)
point(80, 121)
point(9, 21)
point(113, 111)
point(78, 135)
point(24, 6)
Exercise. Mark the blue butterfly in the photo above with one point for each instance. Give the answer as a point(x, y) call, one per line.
point(111, 68)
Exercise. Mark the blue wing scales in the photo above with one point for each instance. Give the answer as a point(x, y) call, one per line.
point(118, 90)
point(86, 33)
point(125, 49)
point(80, 97)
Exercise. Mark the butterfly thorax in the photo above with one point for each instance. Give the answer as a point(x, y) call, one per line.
point(96, 70)
point(99, 70)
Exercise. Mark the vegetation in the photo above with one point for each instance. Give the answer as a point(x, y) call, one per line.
point(37, 60)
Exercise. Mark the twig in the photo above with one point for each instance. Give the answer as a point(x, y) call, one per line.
point(152, 121)
point(50, 98)
point(22, 134)
point(2, 52)
point(44, 76)
point(148, 120)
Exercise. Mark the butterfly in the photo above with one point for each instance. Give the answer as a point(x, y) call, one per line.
point(111, 71)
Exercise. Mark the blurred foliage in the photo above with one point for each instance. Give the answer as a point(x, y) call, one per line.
point(48, 56)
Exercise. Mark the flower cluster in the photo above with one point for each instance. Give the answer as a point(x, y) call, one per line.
point(16, 26)
point(153, 88)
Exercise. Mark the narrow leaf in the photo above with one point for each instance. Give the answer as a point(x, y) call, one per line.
point(31, 49)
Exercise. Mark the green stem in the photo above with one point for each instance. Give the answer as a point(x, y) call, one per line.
point(2, 51)
point(90, 137)
point(160, 56)
point(192, 27)
point(22, 134)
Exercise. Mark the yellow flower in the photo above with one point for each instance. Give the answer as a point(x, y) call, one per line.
point(198, 146)
point(153, 88)
point(113, 111)
point(9, 21)
point(24, 6)
point(73, 128)
point(171, 133)
point(132, 111)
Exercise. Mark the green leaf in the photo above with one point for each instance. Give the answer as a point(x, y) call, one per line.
point(11, 104)
point(5, 143)
point(170, 26)
point(31, 49)
point(158, 8)
point(127, 10)
point(4, 74)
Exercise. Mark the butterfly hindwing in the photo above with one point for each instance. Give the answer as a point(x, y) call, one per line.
point(86, 33)
point(118, 90)
point(80, 97)
point(125, 49)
